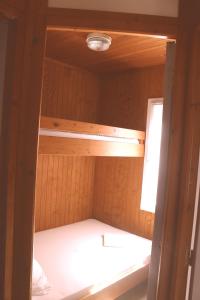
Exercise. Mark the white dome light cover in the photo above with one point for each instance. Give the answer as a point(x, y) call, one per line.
point(98, 41)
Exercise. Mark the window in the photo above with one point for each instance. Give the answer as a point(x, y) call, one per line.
point(152, 154)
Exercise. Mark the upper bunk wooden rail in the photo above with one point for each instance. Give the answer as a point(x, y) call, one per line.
point(114, 141)
point(90, 128)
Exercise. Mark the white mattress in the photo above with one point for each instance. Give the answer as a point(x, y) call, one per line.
point(76, 262)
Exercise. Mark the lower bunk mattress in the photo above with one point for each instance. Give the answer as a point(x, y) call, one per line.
point(83, 258)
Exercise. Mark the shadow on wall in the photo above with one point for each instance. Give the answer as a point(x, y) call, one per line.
point(138, 293)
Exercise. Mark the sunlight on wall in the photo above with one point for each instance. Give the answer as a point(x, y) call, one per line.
point(152, 155)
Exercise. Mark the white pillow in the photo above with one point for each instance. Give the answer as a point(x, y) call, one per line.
point(40, 285)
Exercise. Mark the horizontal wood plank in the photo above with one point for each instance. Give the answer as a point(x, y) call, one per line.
point(81, 147)
point(89, 128)
point(111, 22)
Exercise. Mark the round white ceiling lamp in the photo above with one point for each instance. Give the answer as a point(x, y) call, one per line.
point(98, 41)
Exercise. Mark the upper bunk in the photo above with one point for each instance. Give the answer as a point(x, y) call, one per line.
point(74, 138)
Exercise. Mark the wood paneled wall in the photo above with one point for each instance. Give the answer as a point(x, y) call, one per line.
point(124, 97)
point(64, 190)
point(69, 92)
point(70, 189)
point(118, 182)
point(117, 195)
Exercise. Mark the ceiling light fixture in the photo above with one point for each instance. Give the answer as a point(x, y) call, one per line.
point(98, 41)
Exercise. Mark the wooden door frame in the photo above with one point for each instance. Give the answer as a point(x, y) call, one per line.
point(160, 207)
point(130, 24)
point(183, 158)
point(19, 138)
point(21, 118)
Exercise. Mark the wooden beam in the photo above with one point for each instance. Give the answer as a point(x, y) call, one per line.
point(83, 147)
point(90, 128)
point(18, 155)
point(86, 20)
point(164, 152)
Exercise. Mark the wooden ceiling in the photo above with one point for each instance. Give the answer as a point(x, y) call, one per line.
point(126, 52)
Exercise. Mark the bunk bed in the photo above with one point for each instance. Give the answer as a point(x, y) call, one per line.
point(85, 260)
point(74, 138)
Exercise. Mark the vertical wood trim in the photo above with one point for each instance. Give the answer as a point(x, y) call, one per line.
point(161, 205)
point(3, 50)
point(19, 153)
point(186, 206)
point(6, 235)
point(193, 284)
point(34, 42)
point(182, 162)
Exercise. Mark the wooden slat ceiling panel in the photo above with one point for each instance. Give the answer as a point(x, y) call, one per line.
point(126, 52)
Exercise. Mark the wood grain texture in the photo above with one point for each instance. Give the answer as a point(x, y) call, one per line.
point(90, 128)
point(18, 4)
point(19, 150)
point(65, 184)
point(126, 51)
point(11, 9)
point(69, 92)
point(6, 187)
point(182, 159)
point(86, 147)
point(111, 22)
point(188, 182)
point(125, 105)
point(64, 190)
point(160, 207)
point(118, 197)
point(118, 183)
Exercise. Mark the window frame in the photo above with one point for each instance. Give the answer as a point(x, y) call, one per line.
point(151, 102)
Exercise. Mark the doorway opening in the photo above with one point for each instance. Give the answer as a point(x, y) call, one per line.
point(89, 183)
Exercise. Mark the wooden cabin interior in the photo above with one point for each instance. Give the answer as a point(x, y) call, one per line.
point(74, 136)
point(97, 94)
